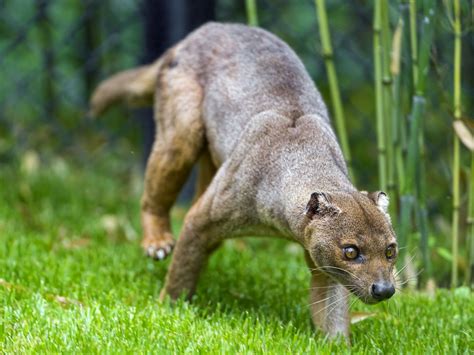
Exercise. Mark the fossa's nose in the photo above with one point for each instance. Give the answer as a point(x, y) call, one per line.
point(382, 290)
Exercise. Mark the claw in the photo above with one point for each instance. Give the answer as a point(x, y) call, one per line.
point(160, 254)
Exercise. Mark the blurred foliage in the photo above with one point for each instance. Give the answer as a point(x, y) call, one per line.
point(28, 118)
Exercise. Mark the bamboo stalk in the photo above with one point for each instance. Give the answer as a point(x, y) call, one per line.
point(413, 186)
point(455, 218)
point(387, 83)
point(422, 222)
point(408, 81)
point(418, 106)
point(379, 107)
point(91, 41)
point(421, 209)
point(396, 115)
point(413, 41)
point(46, 39)
point(470, 223)
point(420, 174)
point(251, 9)
point(406, 200)
point(421, 195)
point(457, 150)
point(338, 110)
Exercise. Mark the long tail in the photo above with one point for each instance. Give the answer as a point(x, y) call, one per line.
point(134, 87)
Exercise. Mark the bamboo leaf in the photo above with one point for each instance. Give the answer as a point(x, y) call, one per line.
point(357, 317)
point(396, 49)
point(445, 254)
point(464, 134)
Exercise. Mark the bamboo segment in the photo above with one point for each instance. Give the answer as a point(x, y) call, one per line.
point(387, 97)
point(251, 9)
point(457, 150)
point(422, 222)
point(333, 82)
point(396, 117)
point(405, 82)
point(414, 183)
point(46, 41)
point(456, 204)
point(401, 77)
point(379, 108)
point(413, 41)
point(470, 223)
point(421, 195)
point(416, 136)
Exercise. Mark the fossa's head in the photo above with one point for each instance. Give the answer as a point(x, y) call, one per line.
point(350, 238)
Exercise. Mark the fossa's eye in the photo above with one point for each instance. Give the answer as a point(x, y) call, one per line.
point(351, 252)
point(391, 252)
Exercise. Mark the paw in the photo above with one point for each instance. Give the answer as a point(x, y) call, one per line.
point(160, 247)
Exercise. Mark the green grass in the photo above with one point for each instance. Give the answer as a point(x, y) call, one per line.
point(71, 284)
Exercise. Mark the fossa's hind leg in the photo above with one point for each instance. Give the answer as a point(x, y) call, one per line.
point(178, 144)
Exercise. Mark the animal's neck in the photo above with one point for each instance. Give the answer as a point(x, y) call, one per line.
point(300, 181)
point(303, 160)
point(296, 199)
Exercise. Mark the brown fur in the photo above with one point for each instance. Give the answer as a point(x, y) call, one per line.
point(240, 100)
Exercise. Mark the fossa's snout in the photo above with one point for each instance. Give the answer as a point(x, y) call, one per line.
point(382, 290)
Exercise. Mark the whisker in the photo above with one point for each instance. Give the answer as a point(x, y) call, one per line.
point(413, 278)
point(407, 281)
point(405, 266)
point(327, 306)
point(352, 303)
point(339, 299)
point(327, 298)
point(349, 308)
point(336, 268)
point(336, 304)
point(331, 286)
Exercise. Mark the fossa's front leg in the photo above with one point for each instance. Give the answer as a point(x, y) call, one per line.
point(328, 303)
point(199, 238)
point(215, 216)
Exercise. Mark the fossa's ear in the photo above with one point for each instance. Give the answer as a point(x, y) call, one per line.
point(380, 199)
point(320, 205)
